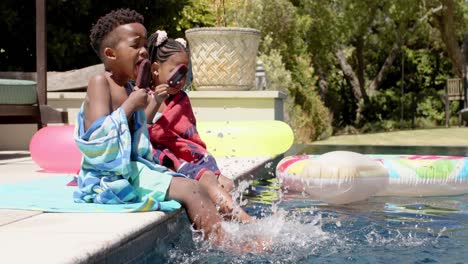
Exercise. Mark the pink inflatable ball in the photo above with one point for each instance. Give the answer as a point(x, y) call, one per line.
point(54, 149)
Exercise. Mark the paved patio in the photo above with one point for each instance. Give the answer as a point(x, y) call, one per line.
point(37, 237)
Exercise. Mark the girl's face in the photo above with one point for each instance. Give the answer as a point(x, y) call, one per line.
point(166, 67)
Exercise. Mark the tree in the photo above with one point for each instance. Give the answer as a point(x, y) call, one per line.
point(452, 25)
point(348, 32)
point(68, 26)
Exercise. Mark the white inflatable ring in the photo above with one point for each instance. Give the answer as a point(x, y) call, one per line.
point(343, 177)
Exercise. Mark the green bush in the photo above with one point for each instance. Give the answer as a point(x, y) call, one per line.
point(309, 116)
point(304, 110)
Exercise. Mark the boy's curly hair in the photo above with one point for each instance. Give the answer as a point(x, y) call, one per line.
point(109, 22)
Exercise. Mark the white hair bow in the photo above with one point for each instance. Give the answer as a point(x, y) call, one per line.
point(182, 42)
point(162, 36)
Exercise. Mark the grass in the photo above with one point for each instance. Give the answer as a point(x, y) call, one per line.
point(457, 136)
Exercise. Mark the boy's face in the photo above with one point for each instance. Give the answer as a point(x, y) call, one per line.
point(166, 67)
point(129, 49)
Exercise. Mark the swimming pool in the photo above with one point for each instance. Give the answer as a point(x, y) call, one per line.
point(378, 230)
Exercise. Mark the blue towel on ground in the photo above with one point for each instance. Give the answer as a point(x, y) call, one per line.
point(52, 195)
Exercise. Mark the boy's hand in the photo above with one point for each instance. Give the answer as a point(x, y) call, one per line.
point(138, 99)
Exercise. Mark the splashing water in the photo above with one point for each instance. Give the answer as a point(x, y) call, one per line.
point(287, 235)
point(380, 230)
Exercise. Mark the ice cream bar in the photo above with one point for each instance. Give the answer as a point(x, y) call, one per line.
point(144, 74)
point(177, 75)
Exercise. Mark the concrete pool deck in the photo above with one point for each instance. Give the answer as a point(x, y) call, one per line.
point(38, 237)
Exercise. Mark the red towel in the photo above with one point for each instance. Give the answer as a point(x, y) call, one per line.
point(174, 135)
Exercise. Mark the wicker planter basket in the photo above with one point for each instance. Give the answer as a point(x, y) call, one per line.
point(223, 58)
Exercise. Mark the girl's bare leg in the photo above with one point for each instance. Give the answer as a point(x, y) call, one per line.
point(226, 183)
point(222, 198)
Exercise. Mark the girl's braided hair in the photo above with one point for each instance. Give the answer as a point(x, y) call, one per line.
point(162, 51)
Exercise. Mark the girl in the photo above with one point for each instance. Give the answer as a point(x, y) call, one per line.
point(172, 126)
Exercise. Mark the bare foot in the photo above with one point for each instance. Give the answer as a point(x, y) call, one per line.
point(250, 244)
point(257, 244)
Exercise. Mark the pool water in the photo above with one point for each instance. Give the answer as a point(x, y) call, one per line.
point(378, 230)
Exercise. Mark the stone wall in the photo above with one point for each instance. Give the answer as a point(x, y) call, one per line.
point(74, 80)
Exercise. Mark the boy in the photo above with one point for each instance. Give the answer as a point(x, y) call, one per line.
point(111, 133)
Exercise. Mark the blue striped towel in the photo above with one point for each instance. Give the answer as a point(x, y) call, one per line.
point(108, 149)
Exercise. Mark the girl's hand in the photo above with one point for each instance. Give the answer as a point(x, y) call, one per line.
point(161, 93)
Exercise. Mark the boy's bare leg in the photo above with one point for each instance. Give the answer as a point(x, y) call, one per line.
point(226, 183)
point(222, 198)
point(199, 207)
